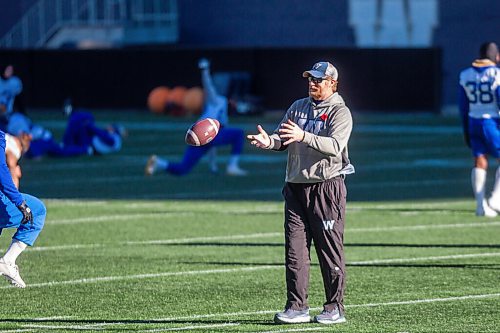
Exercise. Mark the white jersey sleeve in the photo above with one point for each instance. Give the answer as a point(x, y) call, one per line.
point(12, 146)
point(481, 86)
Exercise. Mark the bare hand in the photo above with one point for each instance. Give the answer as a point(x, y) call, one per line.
point(291, 132)
point(260, 140)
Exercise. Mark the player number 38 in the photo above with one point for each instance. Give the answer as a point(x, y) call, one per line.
point(479, 92)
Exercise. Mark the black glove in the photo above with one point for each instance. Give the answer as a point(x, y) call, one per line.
point(27, 214)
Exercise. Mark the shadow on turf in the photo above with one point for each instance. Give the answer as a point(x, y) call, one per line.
point(463, 266)
point(392, 265)
point(486, 246)
point(413, 210)
point(223, 244)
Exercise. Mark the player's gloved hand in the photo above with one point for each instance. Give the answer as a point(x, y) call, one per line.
point(203, 63)
point(27, 214)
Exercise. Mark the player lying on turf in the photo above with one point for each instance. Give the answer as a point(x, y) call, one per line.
point(81, 137)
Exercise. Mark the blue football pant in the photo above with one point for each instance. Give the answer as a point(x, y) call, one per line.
point(485, 137)
point(226, 136)
point(78, 131)
point(50, 147)
point(11, 217)
point(81, 129)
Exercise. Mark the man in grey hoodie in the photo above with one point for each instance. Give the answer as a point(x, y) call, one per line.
point(315, 130)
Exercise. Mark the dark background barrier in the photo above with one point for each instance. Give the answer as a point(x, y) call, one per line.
point(369, 79)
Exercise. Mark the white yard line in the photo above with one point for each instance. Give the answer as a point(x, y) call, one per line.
point(51, 318)
point(63, 247)
point(144, 276)
point(299, 330)
point(70, 327)
point(426, 227)
point(121, 217)
point(243, 269)
point(348, 230)
point(251, 313)
point(31, 327)
point(409, 302)
point(262, 235)
point(188, 328)
point(205, 239)
point(452, 256)
point(426, 300)
point(269, 312)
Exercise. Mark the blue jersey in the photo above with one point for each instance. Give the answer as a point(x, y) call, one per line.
point(6, 184)
point(215, 105)
point(9, 89)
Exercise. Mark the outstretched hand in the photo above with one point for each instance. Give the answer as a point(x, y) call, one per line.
point(203, 63)
point(261, 140)
point(291, 132)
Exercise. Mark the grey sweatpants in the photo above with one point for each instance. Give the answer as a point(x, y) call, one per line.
point(315, 212)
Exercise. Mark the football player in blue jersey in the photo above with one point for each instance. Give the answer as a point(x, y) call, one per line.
point(216, 107)
point(17, 210)
point(81, 137)
point(479, 105)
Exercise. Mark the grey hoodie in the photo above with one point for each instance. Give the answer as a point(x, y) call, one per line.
point(322, 154)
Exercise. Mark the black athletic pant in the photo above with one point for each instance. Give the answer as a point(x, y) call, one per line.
point(315, 212)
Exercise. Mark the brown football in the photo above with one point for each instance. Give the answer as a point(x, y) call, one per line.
point(202, 132)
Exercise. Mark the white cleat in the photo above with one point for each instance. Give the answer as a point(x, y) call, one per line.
point(485, 210)
point(11, 273)
point(151, 166)
point(236, 171)
point(494, 203)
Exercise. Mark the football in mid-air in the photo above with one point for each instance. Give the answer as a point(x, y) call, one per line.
point(202, 132)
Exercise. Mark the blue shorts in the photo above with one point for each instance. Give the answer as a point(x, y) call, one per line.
point(11, 216)
point(485, 136)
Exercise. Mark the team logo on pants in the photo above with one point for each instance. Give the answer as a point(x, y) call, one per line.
point(329, 224)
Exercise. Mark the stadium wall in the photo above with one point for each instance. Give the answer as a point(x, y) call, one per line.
point(370, 79)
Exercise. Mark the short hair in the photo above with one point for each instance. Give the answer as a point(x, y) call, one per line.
point(488, 50)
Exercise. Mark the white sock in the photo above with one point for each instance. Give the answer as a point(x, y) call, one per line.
point(496, 188)
point(478, 179)
point(14, 250)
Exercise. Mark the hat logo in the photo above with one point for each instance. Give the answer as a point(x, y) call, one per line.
point(316, 66)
